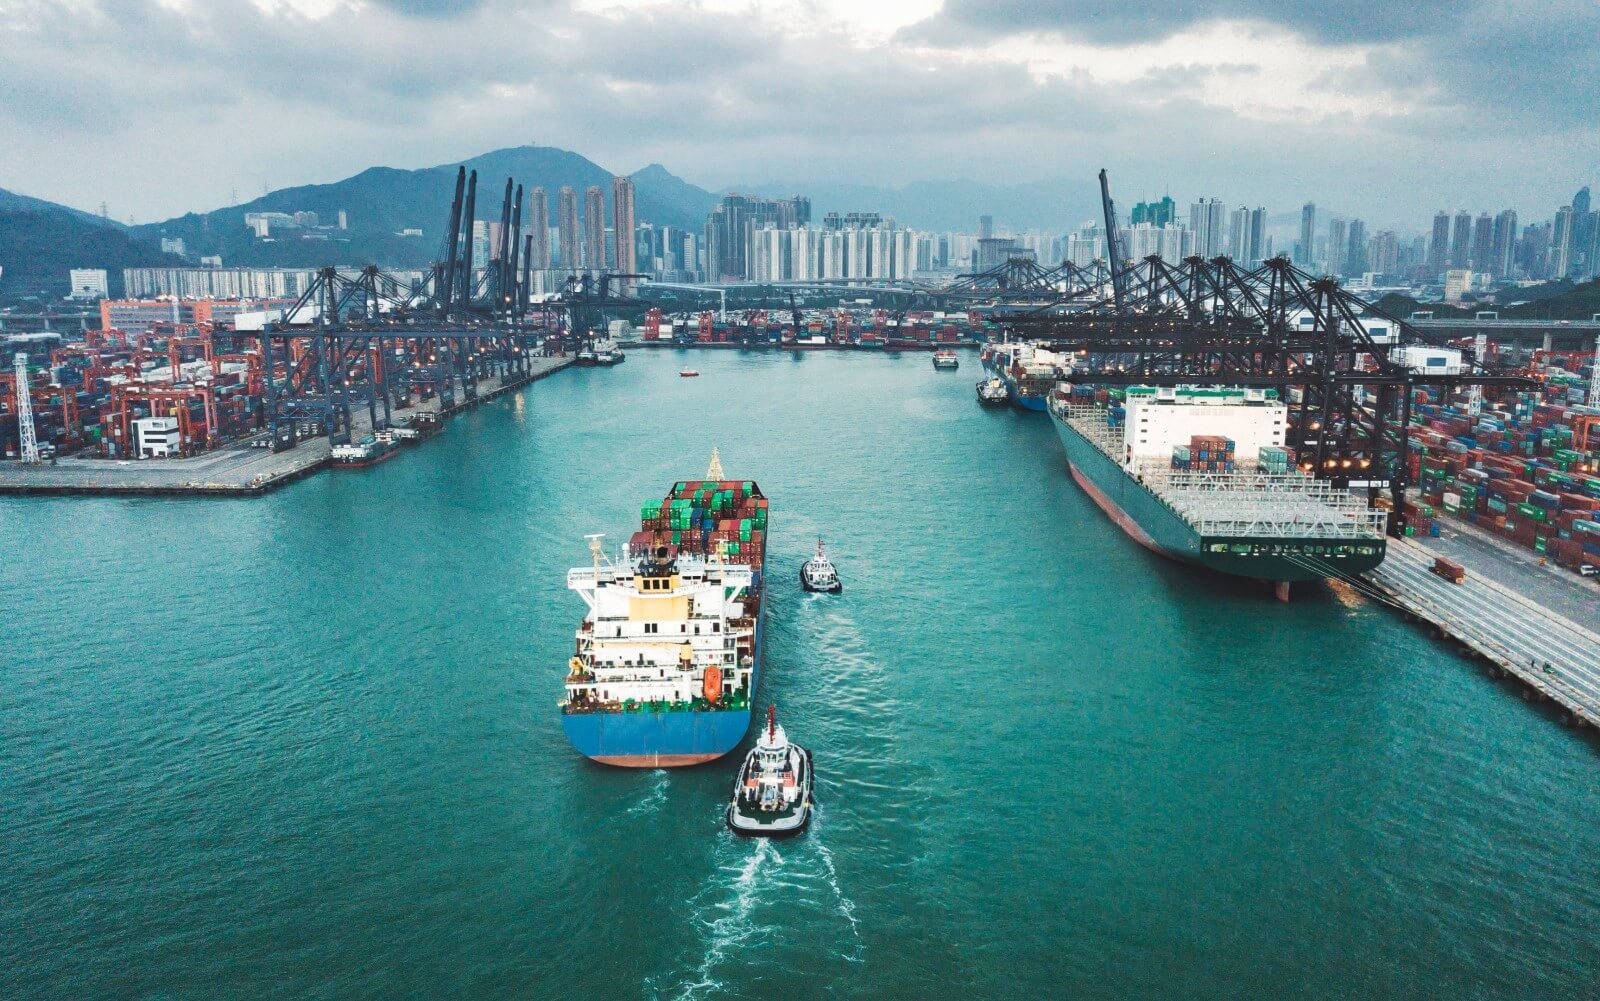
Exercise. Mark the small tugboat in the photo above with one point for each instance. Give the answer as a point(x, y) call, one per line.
point(772, 798)
point(688, 373)
point(993, 393)
point(818, 574)
point(946, 359)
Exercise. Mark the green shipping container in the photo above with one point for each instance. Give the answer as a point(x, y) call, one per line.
point(1530, 512)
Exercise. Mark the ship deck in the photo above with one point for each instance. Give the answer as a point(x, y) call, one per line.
point(1249, 502)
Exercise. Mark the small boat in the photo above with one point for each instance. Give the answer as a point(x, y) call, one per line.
point(946, 359)
point(993, 392)
point(818, 574)
point(772, 797)
point(688, 373)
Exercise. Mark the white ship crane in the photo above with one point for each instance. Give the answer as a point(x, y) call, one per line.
point(25, 431)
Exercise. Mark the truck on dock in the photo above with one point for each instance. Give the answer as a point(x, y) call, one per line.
point(1450, 570)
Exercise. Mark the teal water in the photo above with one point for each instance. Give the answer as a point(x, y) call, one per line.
point(306, 746)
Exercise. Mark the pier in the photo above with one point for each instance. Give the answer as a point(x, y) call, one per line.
point(236, 469)
point(1555, 658)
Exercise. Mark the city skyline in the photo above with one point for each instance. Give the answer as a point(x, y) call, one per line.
point(1448, 96)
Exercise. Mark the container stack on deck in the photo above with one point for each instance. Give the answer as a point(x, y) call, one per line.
point(1205, 453)
point(1513, 471)
point(700, 515)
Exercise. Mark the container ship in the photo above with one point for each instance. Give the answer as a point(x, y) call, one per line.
point(667, 659)
point(1201, 475)
point(1029, 372)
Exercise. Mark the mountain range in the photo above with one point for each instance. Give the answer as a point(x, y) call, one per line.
point(41, 241)
point(381, 202)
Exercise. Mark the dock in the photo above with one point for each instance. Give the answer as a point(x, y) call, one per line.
point(1554, 658)
point(236, 469)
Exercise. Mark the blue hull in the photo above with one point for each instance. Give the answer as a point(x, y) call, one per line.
point(656, 740)
point(647, 739)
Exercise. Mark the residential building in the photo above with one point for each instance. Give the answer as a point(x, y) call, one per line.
point(567, 222)
point(1208, 224)
point(1439, 249)
point(88, 283)
point(622, 222)
point(539, 229)
point(1308, 232)
point(1461, 240)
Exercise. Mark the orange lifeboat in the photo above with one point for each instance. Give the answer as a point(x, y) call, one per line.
point(713, 683)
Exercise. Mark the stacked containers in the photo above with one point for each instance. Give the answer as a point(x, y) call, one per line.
point(1211, 453)
point(1274, 459)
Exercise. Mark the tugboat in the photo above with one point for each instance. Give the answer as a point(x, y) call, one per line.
point(688, 373)
point(993, 392)
point(772, 798)
point(946, 359)
point(818, 574)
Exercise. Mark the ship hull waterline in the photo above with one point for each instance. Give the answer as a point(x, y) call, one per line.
point(1139, 513)
point(669, 739)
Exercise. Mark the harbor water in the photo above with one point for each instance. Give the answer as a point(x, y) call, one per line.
point(307, 745)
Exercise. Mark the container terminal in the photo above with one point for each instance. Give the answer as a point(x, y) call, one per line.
point(242, 397)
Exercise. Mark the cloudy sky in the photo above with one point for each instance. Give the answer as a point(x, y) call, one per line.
point(1382, 109)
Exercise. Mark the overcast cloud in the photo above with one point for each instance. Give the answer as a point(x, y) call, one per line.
point(1384, 110)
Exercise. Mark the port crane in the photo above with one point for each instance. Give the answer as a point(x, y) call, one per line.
point(1330, 355)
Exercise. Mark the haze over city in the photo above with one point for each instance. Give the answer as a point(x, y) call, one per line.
point(1390, 113)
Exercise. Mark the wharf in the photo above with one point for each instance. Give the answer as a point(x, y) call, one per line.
point(1555, 658)
point(236, 469)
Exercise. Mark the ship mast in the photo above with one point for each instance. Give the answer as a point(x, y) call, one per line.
point(715, 472)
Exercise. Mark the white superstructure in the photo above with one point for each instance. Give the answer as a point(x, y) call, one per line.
point(661, 629)
point(1158, 419)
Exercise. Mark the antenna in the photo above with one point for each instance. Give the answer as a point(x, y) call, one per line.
point(596, 550)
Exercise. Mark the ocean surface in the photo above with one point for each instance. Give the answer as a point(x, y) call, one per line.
point(307, 745)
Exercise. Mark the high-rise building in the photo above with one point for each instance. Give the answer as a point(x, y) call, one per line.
point(1247, 236)
point(1439, 249)
point(1585, 230)
point(1208, 222)
point(1158, 213)
point(623, 222)
point(88, 283)
point(986, 227)
point(1504, 244)
point(1483, 243)
point(1384, 256)
point(1308, 233)
point(1355, 261)
point(567, 221)
point(1461, 240)
point(1334, 252)
point(1561, 238)
point(539, 229)
point(594, 229)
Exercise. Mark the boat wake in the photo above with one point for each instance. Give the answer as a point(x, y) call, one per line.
point(847, 907)
point(655, 798)
point(723, 916)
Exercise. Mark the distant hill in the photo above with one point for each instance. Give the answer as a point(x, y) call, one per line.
point(39, 245)
point(382, 201)
point(11, 201)
point(1550, 301)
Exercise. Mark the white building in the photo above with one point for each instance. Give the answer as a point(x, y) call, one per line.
point(1457, 283)
point(156, 437)
point(88, 283)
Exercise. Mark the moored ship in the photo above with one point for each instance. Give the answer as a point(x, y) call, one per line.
point(1195, 474)
point(668, 657)
point(1029, 372)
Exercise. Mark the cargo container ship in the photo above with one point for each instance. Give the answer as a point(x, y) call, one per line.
point(668, 657)
point(1029, 372)
point(1201, 475)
